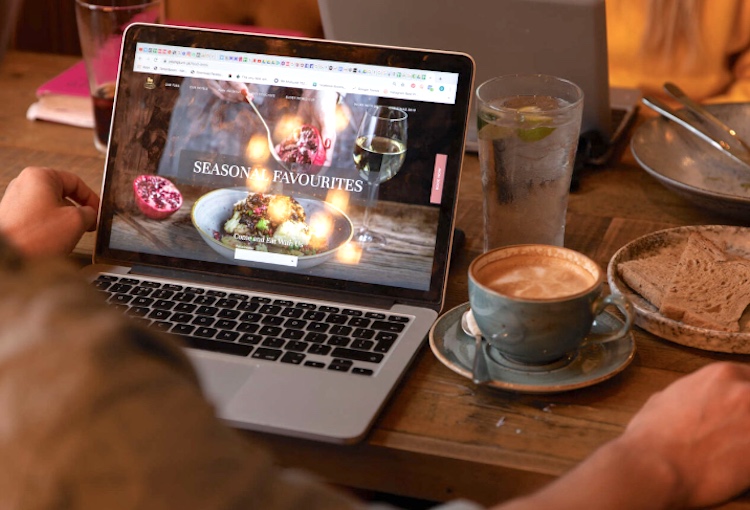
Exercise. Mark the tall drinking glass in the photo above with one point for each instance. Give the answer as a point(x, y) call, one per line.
point(101, 24)
point(9, 10)
point(528, 127)
point(379, 152)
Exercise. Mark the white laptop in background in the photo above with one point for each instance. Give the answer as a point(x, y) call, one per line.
point(565, 38)
point(294, 327)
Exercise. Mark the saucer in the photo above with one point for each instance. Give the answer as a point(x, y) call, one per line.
point(591, 365)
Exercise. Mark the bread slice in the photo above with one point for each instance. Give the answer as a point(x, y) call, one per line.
point(709, 288)
point(650, 276)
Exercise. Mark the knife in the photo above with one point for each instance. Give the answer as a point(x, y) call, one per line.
point(721, 140)
point(724, 132)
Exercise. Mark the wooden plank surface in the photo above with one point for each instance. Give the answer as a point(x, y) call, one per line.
point(440, 436)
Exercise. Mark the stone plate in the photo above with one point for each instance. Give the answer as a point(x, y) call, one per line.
point(647, 316)
point(693, 168)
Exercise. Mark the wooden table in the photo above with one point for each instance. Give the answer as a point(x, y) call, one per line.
point(440, 436)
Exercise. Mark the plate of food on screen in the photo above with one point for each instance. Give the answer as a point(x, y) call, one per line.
point(270, 229)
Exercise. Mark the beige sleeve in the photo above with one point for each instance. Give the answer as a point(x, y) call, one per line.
point(97, 413)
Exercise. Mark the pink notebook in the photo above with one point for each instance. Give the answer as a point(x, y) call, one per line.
point(66, 98)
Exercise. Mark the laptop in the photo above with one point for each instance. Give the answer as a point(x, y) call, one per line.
point(565, 38)
point(240, 171)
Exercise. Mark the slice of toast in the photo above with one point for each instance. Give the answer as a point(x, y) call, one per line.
point(709, 289)
point(651, 276)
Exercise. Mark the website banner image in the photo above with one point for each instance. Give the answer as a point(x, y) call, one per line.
point(331, 184)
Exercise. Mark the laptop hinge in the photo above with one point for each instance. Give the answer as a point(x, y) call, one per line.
point(285, 289)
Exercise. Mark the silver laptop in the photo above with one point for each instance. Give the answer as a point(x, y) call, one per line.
point(566, 38)
point(296, 325)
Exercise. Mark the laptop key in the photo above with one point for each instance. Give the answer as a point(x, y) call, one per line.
point(363, 333)
point(270, 331)
point(205, 332)
point(142, 301)
point(335, 318)
point(316, 337)
point(207, 310)
point(362, 371)
point(227, 303)
point(228, 314)
point(266, 353)
point(340, 330)
point(159, 315)
point(227, 336)
point(272, 320)
point(205, 300)
point(250, 338)
point(393, 327)
point(141, 291)
point(276, 343)
point(182, 317)
point(203, 320)
point(317, 327)
point(359, 322)
point(184, 297)
point(338, 341)
point(248, 306)
point(293, 334)
point(313, 315)
point(139, 311)
point(163, 304)
point(295, 358)
point(225, 324)
point(183, 329)
point(340, 365)
point(121, 299)
point(162, 294)
point(216, 346)
point(296, 346)
point(364, 345)
point(398, 318)
point(185, 307)
point(384, 345)
point(319, 349)
point(315, 364)
point(247, 327)
point(295, 313)
point(352, 354)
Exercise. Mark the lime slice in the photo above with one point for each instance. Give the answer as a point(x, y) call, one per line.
point(532, 116)
point(534, 134)
point(493, 132)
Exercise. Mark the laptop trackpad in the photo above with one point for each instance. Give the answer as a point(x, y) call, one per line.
point(220, 380)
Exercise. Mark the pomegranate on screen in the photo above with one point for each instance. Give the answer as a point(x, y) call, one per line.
point(304, 146)
point(156, 197)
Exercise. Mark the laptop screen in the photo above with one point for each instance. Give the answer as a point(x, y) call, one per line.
point(310, 162)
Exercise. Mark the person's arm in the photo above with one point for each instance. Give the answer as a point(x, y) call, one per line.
point(45, 212)
point(688, 447)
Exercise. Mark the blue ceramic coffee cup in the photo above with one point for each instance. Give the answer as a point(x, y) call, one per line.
point(536, 304)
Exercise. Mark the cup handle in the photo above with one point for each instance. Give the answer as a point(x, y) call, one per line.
point(622, 303)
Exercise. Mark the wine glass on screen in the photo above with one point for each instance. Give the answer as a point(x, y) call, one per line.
point(379, 152)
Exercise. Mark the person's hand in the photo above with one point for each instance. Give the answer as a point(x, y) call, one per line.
point(45, 211)
point(699, 426)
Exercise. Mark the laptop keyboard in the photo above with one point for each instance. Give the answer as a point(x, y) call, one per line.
point(295, 332)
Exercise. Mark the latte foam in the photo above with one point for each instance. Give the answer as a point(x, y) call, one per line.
point(536, 277)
